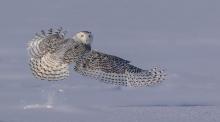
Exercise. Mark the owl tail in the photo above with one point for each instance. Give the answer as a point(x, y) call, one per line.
point(145, 78)
point(48, 68)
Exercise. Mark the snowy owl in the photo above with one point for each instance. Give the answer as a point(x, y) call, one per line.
point(51, 54)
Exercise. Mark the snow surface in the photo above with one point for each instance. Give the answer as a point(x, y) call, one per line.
point(180, 36)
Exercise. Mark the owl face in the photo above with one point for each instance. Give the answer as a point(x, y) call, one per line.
point(84, 37)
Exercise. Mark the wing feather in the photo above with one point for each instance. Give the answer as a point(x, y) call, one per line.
point(49, 68)
point(117, 71)
point(44, 43)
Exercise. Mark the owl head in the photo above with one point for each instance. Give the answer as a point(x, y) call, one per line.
point(84, 37)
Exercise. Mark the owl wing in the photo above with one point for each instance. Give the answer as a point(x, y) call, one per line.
point(49, 67)
point(45, 42)
point(115, 70)
point(45, 51)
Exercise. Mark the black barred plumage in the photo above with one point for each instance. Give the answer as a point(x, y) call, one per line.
point(114, 70)
point(77, 50)
point(48, 68)
point(44, 43)
point(51, 53)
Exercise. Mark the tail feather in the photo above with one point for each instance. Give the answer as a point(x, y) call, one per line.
point(46, 68)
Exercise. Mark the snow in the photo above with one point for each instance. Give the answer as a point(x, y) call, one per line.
point(182, 37)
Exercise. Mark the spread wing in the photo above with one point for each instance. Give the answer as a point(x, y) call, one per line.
point(45, 42)
point(49, 67)
point(117, 71)
point(46, 52)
